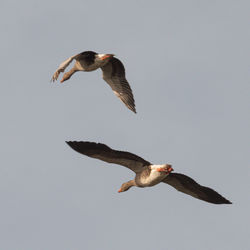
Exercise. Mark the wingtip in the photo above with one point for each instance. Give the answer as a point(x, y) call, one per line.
point(70, 143)
point(75, 145)
point(228, 202)
point(132, 108)
point(221, 200)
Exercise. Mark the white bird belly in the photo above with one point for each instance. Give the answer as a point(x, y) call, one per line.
point(154, 178)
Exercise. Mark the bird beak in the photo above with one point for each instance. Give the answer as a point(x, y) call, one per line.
point(105, 56)
point(119, 191)
point(63, 78)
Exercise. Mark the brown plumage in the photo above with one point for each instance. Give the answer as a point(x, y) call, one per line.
point(147, 174)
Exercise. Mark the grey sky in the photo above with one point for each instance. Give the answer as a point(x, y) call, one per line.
point(188, 65)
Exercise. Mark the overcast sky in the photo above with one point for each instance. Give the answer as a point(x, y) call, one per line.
point(188, 65)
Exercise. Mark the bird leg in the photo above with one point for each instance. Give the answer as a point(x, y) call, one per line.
point(167, 169)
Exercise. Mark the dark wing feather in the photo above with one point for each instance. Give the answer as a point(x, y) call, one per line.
point(114, 75)
point(103, 152)
point(188, 186)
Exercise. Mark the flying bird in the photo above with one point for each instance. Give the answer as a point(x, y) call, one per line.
point(146, 173)
point(112, 69)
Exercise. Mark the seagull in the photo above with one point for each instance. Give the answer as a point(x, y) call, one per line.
point(146, 173)
point(112, 69)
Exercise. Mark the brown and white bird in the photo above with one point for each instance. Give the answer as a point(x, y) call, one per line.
point(147, 174)
point(113, 73)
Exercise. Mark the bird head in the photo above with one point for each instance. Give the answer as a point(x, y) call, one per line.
point(126, 186)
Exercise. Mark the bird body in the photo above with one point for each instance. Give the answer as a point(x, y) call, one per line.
point(151, 175)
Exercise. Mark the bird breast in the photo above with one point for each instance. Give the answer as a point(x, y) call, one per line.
point(149, 177)
point(84, 66)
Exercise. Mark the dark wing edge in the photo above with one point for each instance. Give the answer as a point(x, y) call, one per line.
point(103, 152)
point(188, 186)
point(114, 75)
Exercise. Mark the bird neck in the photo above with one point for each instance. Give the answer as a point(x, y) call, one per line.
point(131, 183)
point(128, 185)
point(68, 74)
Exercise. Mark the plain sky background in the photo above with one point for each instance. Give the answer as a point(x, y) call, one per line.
point(188, 64)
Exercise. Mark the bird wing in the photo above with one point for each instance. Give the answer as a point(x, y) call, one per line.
point(103, 152)
point(62, 67)
point(188, 186)
point(114, 75)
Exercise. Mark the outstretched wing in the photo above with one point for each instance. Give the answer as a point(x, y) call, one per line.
point(103, 152)
point(188, 186)
point(114, 75)
point(62, 67)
